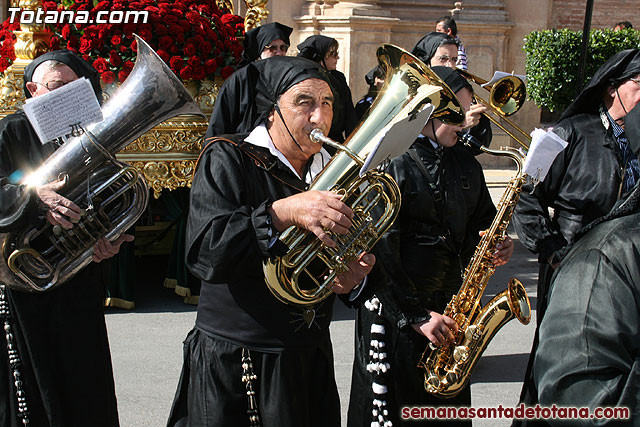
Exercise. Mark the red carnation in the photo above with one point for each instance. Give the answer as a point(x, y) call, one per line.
point(194, 61)
point(186, 73)
point(100, 65)
point(199, 73)
point(226, 72)
point(164, 55)
point(193, 17)
point(127, 66)
point(85, 45)
point(176, 63)
point(211, 66)
point(108, 77)
point(116, 39)
point(122, 76)
point(165, 42)
point(66, 31)
point(189, 50)
point(115, 59)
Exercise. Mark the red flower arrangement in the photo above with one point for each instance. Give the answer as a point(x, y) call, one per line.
point(194, 37)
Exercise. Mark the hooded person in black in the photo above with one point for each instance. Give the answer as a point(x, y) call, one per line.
point(585, 181)
point(439, 49)
point(324, 50)
point(248, 188)
point(375, 80)
point(234, 110)
point(587, 357)
point(421, 259)
point(59, 336)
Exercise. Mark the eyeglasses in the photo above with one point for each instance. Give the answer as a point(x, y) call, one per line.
point(637, 81)
point(274, 48)
point(332, 54)
point(53, 84)
point(443, 59)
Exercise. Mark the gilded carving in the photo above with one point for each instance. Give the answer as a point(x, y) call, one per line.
point(225, 4)
point(256, 12)
point(166, 174)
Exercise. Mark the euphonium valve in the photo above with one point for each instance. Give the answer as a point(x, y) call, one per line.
point(305, 274)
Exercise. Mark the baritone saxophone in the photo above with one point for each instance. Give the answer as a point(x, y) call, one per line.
point(447, 369)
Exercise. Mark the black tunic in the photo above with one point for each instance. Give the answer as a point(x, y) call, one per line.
point(583, 184)
point(227, 240)
point(590, 336)
point(61, 334)
point(419, 266)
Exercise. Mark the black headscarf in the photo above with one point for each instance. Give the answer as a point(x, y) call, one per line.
point(255, 40)
point(277, 75)
point(315, 47)
point(376, 71)
point(427, 46)
point(79, 66)
point(617, 69)
point(632, 129)
point(452, 78)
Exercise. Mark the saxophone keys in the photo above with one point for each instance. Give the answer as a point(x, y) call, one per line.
point(460, 354)
point(432, 382)
point(473, 333)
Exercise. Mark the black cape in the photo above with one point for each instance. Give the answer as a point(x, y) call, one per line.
point(61, 334)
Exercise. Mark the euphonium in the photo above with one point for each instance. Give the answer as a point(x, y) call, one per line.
point(448, 368)
point(305, 274)
point(111, 193)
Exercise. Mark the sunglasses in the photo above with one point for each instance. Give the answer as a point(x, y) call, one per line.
point(446, 58)
point(276, 47)
point(332, 54)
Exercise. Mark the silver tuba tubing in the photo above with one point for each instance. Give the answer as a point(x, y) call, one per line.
point(111, 193)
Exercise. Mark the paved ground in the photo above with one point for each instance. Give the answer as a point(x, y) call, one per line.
point(146, 344)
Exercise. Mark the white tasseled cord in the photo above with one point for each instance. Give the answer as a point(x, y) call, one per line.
point(378, 366)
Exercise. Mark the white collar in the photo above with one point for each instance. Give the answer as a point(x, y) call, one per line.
point(260, 137)
point(433, 143)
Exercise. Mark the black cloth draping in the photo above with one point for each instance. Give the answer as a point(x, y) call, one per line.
point(79, 66)
point(632, 129)
point(345, 119)
point(256, 39)
point(589, 339)
point(228, 237)
point(618, 68)
point(419, 265)
point(429, 43)
point(61, 334)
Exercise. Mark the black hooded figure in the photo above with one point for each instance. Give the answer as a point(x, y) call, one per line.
point(316, 48)
point(585, 181)
point(425, 50)
point(445, 203)
point(362, 106)
point(60, 335)
point(589, 340)
point(234, 110)
point(241, 328)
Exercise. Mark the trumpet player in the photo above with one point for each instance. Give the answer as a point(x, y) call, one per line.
point(250, 358)
point(62, 374)
point(445, 204)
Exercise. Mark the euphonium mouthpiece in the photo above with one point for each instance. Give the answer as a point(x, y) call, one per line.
point(317, 136)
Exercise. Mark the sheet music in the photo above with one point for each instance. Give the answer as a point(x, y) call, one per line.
point(545, 147)
point(501, 74)
point(397, 139)
point(52, 114)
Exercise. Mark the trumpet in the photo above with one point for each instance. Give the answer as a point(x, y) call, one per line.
point(506, 97)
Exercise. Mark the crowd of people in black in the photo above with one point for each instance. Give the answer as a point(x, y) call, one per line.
point(250, 359)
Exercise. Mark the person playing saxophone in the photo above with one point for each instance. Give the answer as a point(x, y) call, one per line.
point(445, 205)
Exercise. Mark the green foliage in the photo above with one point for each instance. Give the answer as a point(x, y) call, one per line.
point(553, 57)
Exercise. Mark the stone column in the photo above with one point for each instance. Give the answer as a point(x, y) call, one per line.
point(360, 27)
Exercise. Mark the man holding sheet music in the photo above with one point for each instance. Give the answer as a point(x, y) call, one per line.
point(63, 373)
point(585, 181)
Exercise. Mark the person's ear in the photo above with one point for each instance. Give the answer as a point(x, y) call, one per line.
point(32, 87)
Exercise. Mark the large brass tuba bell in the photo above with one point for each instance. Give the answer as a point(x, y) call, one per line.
point(111, 193)
point(305, 274)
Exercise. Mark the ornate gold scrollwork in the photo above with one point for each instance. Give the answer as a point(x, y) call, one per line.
point(256, 12)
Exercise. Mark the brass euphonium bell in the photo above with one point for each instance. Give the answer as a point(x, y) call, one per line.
point(304, 275)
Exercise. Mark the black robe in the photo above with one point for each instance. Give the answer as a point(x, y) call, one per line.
point(228, 237)
point(61, 334)
point(419, 265)
point(234, 110)
point(588, 355)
